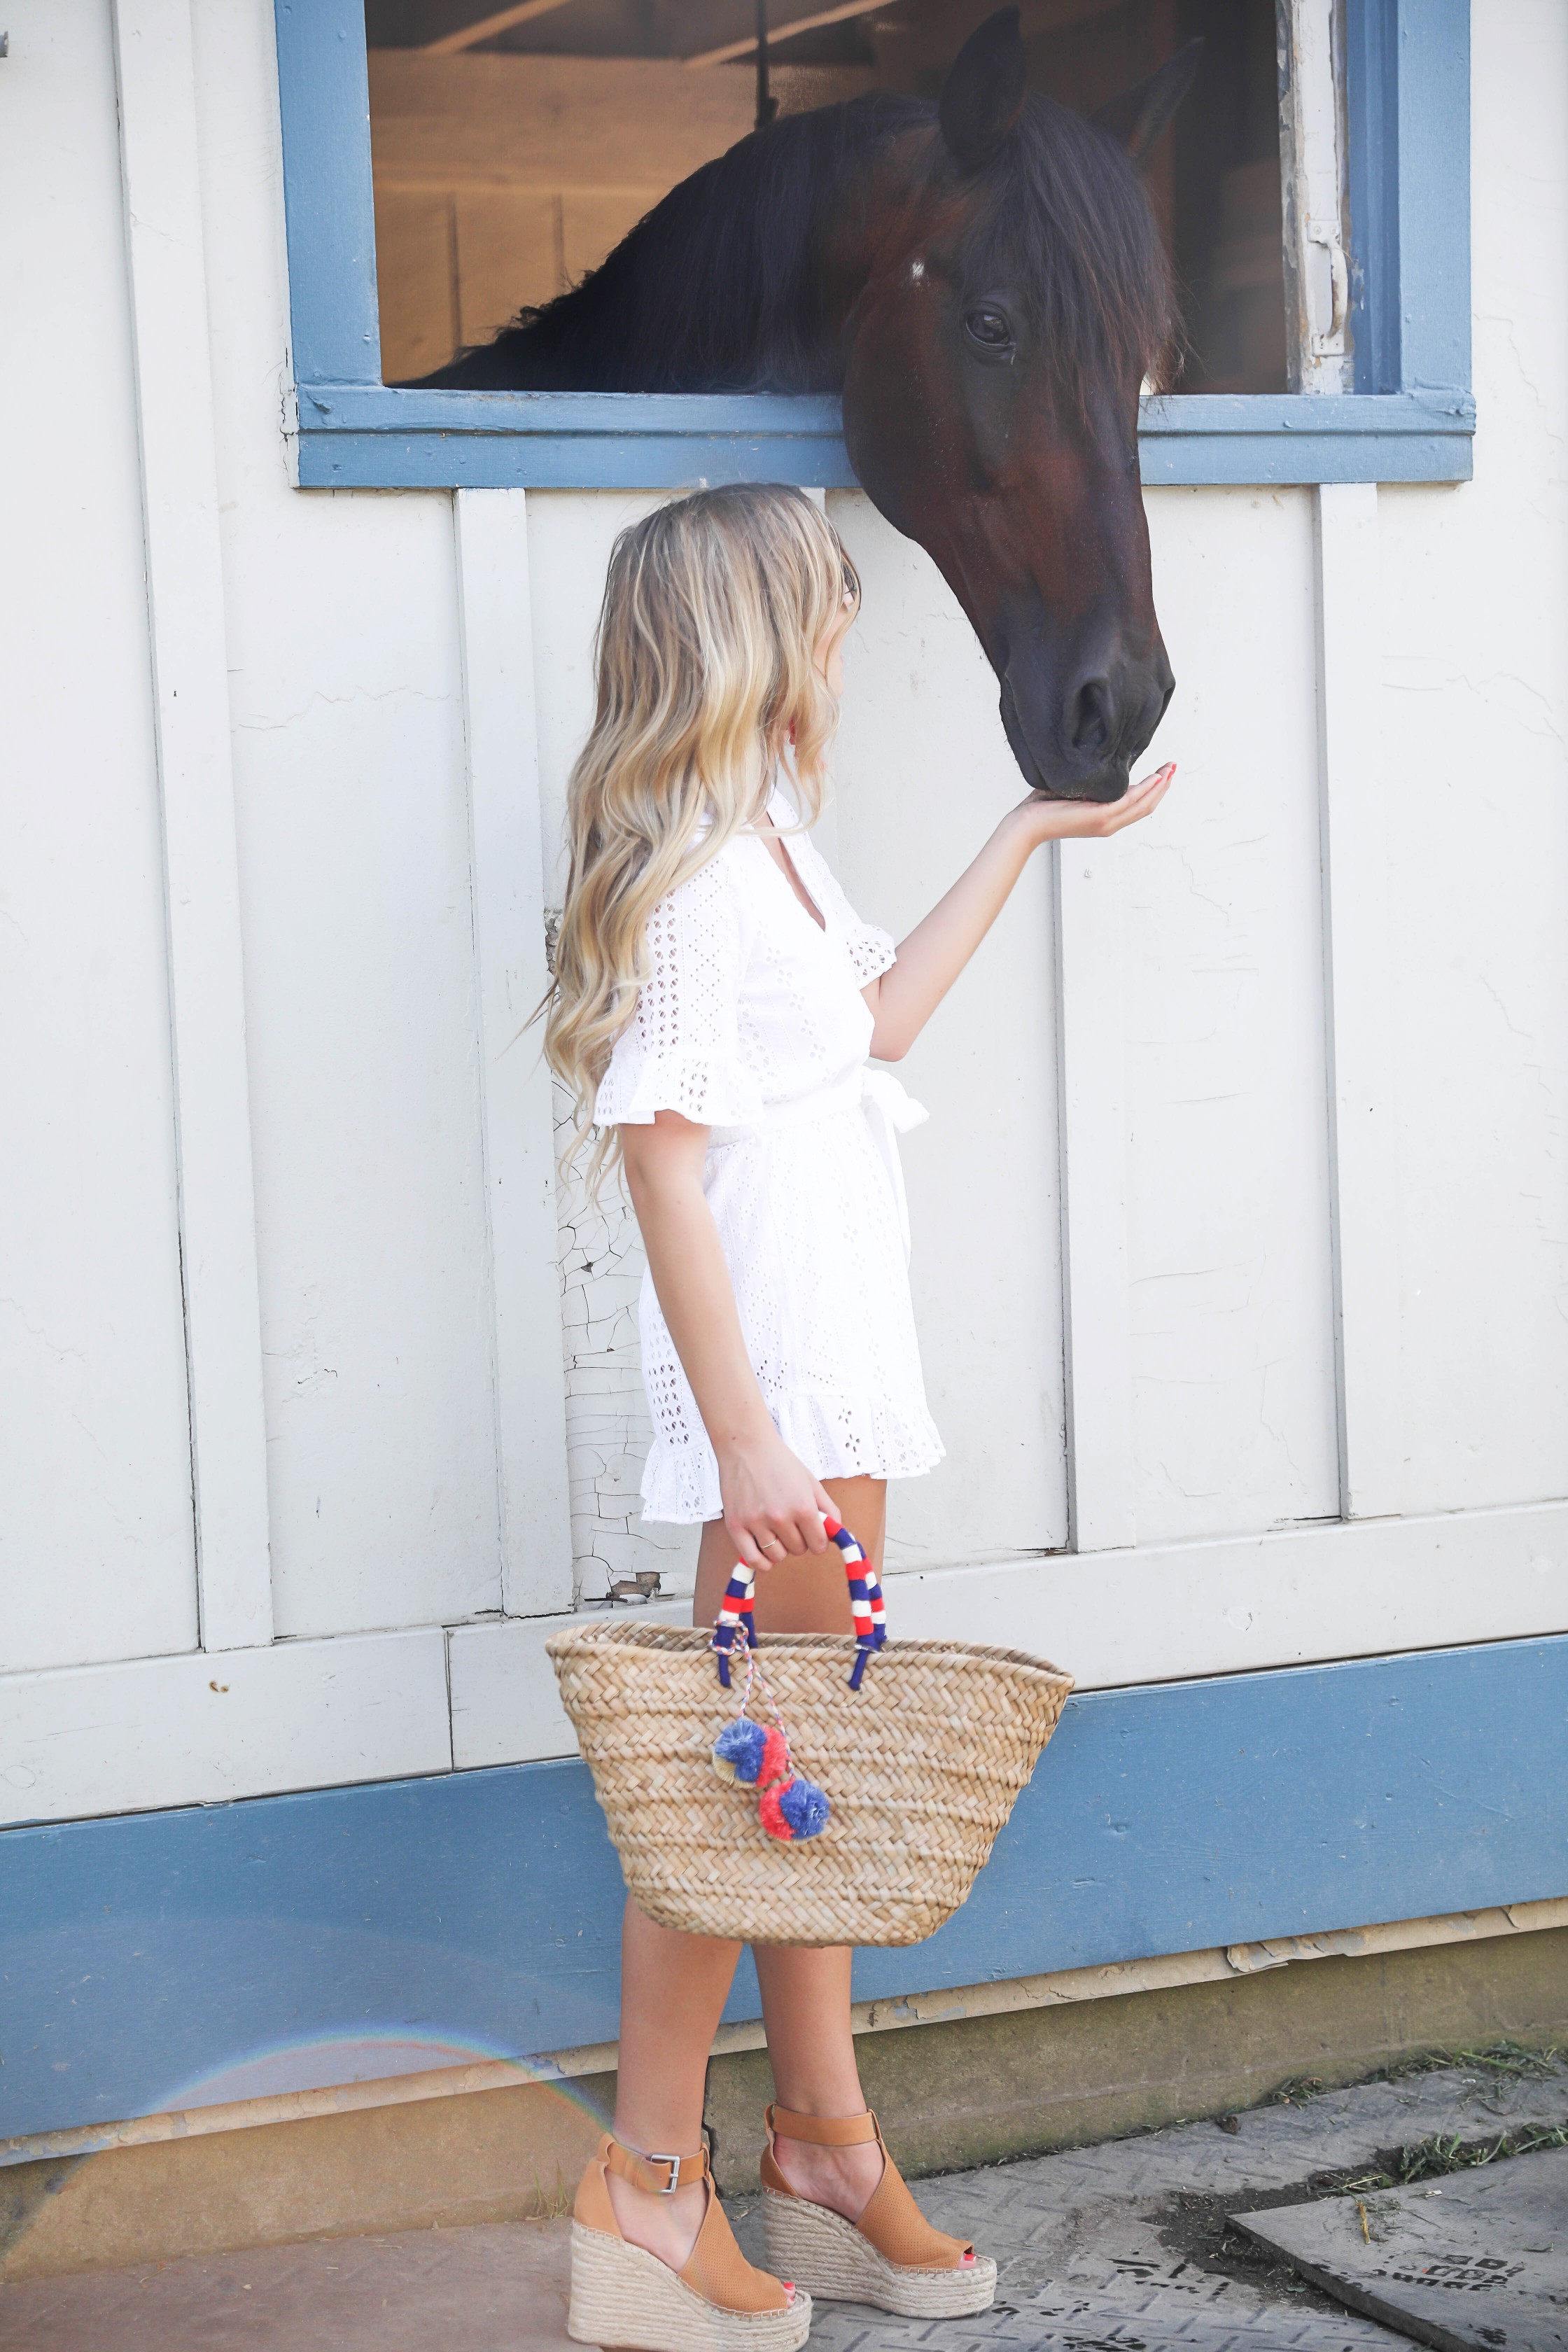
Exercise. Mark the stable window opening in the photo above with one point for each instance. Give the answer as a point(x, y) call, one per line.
point(513, 149)
point(1359, 285)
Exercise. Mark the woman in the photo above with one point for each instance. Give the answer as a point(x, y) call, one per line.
point(715, 1003)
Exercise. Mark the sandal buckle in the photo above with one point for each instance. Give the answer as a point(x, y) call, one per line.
point(673, 2183)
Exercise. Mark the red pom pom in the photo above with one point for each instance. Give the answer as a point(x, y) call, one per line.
point(775, 1764)
point(771, 1814)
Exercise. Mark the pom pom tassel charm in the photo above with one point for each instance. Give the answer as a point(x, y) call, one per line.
point(803, 1810)
point(738, 1751)
point(792, 1808)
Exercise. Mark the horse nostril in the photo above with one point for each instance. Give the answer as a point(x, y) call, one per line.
point(1090, 723)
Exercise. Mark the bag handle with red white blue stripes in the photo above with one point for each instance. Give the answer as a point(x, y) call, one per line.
point(735, 1615)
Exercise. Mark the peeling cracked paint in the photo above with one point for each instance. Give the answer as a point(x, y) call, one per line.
point(607, 1427)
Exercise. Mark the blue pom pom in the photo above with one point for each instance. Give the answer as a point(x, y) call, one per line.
point(806, 1807)
point(740, 1746)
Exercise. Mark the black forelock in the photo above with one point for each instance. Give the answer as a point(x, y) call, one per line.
point(1065, 219)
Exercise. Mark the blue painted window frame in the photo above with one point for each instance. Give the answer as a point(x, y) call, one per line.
point(1410, 418)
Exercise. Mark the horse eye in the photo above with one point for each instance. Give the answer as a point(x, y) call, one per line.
point(988, 328)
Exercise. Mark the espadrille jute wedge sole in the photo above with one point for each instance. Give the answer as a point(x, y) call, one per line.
point(828, 2255)
point(891, 2257)
point(622, 2296)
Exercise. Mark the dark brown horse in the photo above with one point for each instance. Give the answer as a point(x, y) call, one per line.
point(983, 282)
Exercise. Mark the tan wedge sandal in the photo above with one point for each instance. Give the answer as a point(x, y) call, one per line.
point(892, 2258)
point(624, 2296)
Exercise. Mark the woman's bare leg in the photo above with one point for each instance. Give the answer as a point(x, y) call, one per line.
point(673, 1989)
point(805, 1993)
point(805, 2013)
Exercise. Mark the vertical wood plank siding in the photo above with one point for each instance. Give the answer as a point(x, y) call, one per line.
point(190, 667)
point(1360, 1001)
point(495, 635)
point(1092, 1079)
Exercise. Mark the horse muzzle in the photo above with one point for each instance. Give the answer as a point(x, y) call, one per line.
point(1077, 741)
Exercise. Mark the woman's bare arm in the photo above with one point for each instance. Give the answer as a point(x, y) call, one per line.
point(905, 996)
point(770, 1497)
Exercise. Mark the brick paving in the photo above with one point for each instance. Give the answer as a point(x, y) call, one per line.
point(1088, 2255)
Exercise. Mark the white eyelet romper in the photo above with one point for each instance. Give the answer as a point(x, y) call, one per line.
point(752, 1023)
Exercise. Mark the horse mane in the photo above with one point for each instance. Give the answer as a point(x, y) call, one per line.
point(715, 289)
point(721, 288)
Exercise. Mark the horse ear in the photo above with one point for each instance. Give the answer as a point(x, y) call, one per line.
point(1136, 118)
point(983, 91)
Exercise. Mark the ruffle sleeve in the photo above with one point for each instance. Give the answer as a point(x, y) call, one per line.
point(681, 1049)
point(871, 950)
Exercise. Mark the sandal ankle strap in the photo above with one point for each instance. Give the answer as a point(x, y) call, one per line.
point(661, 2176)
point(824, 2131)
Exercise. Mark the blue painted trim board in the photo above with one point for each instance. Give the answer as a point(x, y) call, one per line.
point(1433, 148)
point(352, 438)
point(1407, 110)
point(1407, 106)
point(328, 202)
point(142, 1956)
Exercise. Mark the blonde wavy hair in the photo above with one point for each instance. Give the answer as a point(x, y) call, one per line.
point(706, 679)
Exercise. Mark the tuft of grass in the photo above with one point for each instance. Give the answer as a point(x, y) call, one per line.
point(551, 2204)
point(1429, 2159)
point(1514, 2060)
point(1295, 2091)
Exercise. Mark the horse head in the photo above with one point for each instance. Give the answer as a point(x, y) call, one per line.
point(984, 282)
point(1014, 300)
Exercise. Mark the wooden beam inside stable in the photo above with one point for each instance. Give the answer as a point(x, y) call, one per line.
point(1041, 16)
point(777, 32)
point(470, 36)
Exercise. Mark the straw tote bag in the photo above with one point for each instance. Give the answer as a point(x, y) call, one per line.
point(919, 1747)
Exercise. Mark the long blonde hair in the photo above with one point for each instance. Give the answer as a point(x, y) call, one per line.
point(706, 676)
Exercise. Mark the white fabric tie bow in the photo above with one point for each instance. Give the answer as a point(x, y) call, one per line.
point(889, 1113)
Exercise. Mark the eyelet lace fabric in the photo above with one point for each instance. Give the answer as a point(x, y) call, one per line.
point(752, 1022)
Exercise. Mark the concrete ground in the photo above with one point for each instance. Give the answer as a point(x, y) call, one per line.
point(1118, 2248)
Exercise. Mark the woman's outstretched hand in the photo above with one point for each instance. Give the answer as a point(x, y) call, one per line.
point(773, 1508)
point(904, 998)
point(1055, 820)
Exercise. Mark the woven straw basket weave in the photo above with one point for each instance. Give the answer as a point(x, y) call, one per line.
point(923, 1766)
